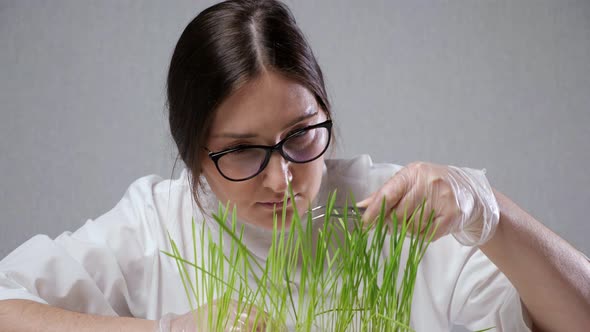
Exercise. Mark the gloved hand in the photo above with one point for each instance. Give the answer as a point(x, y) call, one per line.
point(196, 321)
point(461, 198)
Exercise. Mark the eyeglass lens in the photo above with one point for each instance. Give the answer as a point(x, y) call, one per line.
point(300, 148)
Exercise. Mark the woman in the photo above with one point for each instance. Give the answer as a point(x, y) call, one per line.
point(249, 114)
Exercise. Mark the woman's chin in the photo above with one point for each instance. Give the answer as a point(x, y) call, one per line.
point(266, 219)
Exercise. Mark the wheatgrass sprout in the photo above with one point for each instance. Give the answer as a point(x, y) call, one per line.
point(333, 274)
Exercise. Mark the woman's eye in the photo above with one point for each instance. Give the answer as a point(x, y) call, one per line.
point(234, 146)
point(298, 134)
point(302, 137)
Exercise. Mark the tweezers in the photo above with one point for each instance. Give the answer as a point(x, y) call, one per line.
point(336, 211)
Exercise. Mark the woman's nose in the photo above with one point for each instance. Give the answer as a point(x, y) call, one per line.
point(277, 174)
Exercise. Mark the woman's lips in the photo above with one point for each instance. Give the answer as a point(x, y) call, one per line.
point(271, 205)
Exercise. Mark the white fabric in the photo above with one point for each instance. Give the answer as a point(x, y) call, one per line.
point(113, 265)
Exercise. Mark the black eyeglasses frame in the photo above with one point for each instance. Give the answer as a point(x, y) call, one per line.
point(215, 156)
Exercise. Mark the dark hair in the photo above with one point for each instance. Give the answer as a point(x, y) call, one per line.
point(222, 48)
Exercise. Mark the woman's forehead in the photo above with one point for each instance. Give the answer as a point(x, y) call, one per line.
point(268, 102)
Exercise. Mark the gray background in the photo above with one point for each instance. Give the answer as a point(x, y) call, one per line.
point(503, 85)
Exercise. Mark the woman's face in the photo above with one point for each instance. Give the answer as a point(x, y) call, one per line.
point(262, 112)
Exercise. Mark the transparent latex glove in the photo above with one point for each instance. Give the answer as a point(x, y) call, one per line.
point(462, 200)
point(196, 321)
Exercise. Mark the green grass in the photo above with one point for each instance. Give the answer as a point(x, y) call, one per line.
point(335, 275)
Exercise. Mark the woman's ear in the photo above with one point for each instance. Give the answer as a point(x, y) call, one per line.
point(331, 153)
point(204, 160)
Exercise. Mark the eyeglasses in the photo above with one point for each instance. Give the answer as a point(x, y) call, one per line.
point(244, 162)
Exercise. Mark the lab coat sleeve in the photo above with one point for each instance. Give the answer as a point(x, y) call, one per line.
point(483, 297)
point(359, 176)
point(481, 294)
point(105, 267)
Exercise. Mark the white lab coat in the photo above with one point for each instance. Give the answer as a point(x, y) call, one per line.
point(114, 266)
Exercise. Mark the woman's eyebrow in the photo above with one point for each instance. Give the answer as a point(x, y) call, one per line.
point(309, 114)
point(235, 135)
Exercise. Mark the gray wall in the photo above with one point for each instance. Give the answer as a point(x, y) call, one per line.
point(503, 85)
